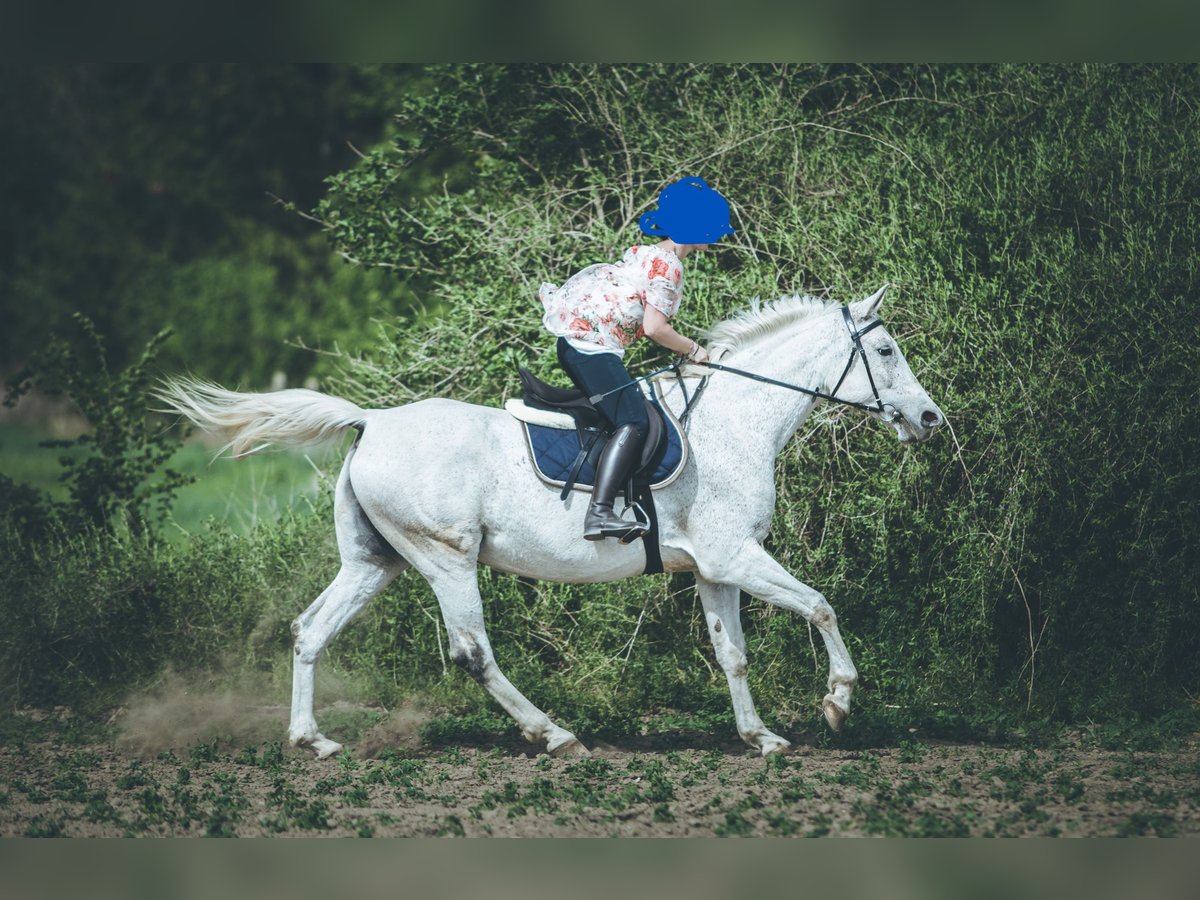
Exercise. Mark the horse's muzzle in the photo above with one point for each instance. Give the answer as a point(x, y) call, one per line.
point(909, 430)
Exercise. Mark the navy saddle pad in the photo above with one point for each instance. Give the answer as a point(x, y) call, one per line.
point(555, 450)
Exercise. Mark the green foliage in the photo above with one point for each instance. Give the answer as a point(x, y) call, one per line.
point(115, 476)
point(151, 197)
point(87, 615)
point(1038, 225)
point(275, 303)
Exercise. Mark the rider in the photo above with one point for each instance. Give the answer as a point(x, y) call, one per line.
point(604, 308)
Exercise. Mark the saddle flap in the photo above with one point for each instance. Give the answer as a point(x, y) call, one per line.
point(654, 437)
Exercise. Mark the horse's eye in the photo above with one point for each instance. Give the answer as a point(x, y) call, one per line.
point(885, 351)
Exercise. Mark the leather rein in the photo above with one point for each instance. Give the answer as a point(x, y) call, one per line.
point(857, 350)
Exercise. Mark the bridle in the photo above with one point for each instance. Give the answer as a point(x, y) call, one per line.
point(857, 350)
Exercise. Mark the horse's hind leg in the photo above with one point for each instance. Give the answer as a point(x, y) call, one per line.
point(725, 629)
point(350, 591)
point(368, 565)
point(451, 571)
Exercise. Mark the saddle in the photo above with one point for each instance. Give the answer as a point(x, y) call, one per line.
point(593, 429)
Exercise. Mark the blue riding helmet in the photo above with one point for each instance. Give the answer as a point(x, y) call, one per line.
point(689, 212)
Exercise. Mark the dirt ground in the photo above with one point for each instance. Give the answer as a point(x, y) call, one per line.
point(60, 779)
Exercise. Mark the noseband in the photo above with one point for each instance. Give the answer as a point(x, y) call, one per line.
point(856, 350)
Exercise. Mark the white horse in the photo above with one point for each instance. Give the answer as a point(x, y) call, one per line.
point(402, 500)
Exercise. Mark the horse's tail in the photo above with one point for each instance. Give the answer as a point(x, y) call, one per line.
point(250, 422)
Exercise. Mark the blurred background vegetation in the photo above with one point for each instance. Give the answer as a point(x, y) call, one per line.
point(1034, 563)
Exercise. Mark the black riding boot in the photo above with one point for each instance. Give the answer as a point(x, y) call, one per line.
point(621, 454)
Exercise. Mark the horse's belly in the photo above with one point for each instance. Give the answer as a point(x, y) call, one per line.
point(559, 554)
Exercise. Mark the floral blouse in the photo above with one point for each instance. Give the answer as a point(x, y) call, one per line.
point(600, 308)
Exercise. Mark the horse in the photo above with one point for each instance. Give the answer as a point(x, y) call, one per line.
point(401, 501)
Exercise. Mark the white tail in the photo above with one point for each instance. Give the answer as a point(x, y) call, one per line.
point(253, 421)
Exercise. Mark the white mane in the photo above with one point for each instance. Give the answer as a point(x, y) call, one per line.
point(761, 320)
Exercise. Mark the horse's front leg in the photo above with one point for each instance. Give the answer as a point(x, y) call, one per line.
point(753, 570)
point(725, 629)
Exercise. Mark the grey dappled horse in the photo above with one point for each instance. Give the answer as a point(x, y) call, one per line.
point(403, 501)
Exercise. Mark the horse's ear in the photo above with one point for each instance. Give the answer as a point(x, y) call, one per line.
point(866, 309)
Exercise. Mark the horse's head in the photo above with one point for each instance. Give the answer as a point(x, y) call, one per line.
point(906, 405)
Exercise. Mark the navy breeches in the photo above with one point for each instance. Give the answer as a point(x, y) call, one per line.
point(596, 373)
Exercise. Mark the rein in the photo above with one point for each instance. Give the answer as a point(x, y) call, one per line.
point(855, 334)
point(857, 349)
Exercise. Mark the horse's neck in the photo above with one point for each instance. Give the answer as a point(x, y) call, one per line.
point(761, 418)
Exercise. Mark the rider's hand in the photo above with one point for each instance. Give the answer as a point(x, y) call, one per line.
point(700, 357)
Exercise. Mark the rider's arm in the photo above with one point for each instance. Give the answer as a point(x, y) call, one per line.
point(658, 328)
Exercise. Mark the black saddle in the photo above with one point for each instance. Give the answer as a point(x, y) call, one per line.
point(593, 428)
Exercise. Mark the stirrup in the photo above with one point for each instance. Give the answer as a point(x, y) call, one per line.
point(639, 528)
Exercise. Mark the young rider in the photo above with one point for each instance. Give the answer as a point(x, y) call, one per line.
point(604, 308)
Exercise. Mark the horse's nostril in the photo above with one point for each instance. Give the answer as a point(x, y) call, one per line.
point(930, 419)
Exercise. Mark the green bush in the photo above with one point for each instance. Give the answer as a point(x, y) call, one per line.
point(245, 314)
point(115, 474)
point(89, 615)
point(1039, 225)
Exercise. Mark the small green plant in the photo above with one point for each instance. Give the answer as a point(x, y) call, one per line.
point(44, 827)
point(1069, 787)
point(821, 826)
point(71, 786)
point(311, 816)
point(204, 752)
point(326, 786)
point(735, 825)
point(99, 811)
point(937, 825)
point(782, 824)
point(659, 788)
point(451, 826)
point(373, 775)
point(32, 792)
point(272, 758)
point(220, 825)
point(134, 777)
point(356, 796)
point(1142, 823)
point(592, 767)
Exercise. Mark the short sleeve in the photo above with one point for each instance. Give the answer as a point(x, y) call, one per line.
point(664, 275)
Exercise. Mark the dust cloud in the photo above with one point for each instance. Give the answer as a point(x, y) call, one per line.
point(184, 710)
point(239, 711)
point(400, 730)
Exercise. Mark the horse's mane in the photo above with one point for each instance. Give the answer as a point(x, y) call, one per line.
point(761, 320)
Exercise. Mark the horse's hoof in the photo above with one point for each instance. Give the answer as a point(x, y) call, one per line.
point(775, 746)
point(324, 747)
point(835, 715)
point(570, 747)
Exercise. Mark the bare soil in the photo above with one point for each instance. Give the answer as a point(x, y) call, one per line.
point(60, 779)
